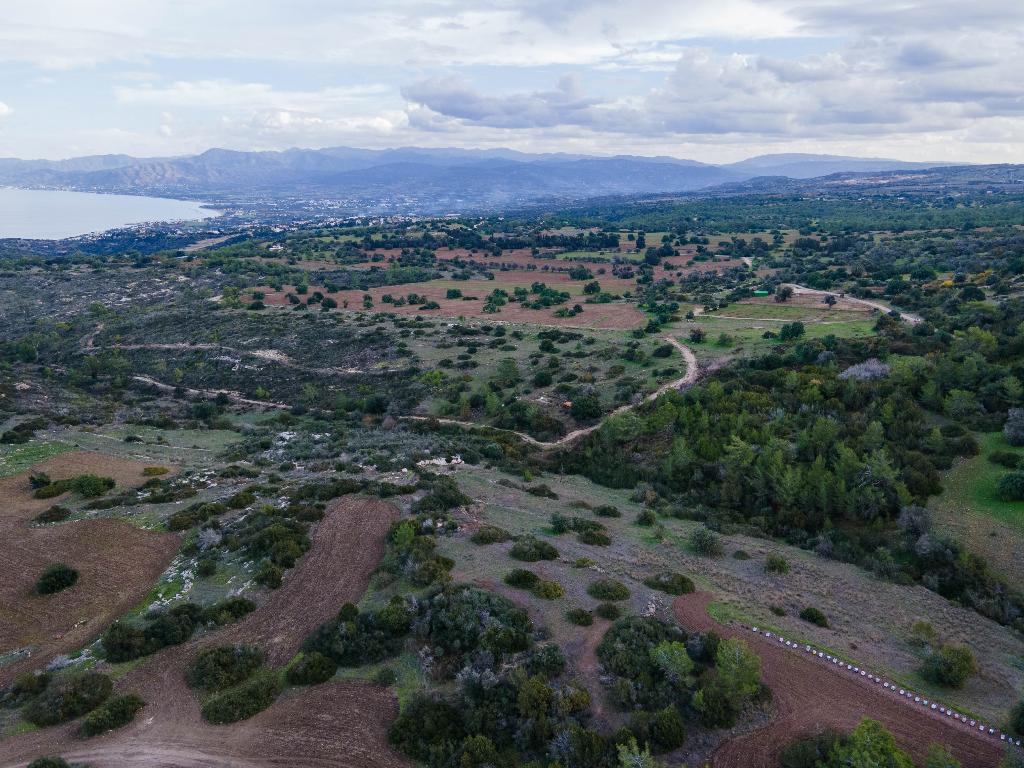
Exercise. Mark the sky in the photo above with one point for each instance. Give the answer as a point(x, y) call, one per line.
point(711, 80)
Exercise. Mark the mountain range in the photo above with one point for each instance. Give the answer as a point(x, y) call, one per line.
point(423, 180)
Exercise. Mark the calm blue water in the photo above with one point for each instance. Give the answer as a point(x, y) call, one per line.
point(52, 215)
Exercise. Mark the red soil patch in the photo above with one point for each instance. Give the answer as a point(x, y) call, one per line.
point(810, 697)
point(117, 564)
point(616, 315)
point(340, 724)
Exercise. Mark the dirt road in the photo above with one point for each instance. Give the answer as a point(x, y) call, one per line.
point(338, 724)
point(689, 379)
point(810, 696)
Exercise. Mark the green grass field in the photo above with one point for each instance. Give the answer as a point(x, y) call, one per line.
point(970, 510)
point(18, 458)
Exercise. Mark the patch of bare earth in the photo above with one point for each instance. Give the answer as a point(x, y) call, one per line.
point(340, 724)
point(809, 697)
point(117, 564)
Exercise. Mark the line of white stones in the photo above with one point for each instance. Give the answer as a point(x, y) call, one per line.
point(908, 695)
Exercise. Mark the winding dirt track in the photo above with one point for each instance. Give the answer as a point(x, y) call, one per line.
point(810, 696)
point(689, 379)
point(338, 724)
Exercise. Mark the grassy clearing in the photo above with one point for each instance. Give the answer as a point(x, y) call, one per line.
point(970, 510)
point(18, 458)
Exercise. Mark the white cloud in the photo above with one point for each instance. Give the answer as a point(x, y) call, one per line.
point(4, 110)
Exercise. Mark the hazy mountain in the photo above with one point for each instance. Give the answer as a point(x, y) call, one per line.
point(801, 166)
point(425, 180)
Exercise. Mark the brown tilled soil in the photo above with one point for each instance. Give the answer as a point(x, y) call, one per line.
point(810, 697)
point(341, 724)
point(117, 564)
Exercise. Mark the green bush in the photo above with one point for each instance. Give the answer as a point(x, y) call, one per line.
point(776, 563)
point(594, 538)
point(55, 578)
point(114, 713)
point(814, 616)
point(531, 549)
point(1017, 719)
point(215, 669)
point(706, 543)
point(49, 762)
point(1011, 487)
point(608, 611)
point(549, 590)
point(607, 510)
point(270, 575)
point(69, 698)
point(950, 666)
point(385, 676)
point(664, 730)
point(809, 752)
point(608, 589)
point(1007, 459)
point(490, 534)
point(54, 514)
point(581, 617)
point(522, 578)
point(646, 518)
point(243, 701)
point(91, 486)
point(313, 668)
point(354, 638)
point(671, 583)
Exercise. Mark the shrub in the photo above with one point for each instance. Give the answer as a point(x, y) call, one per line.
point(809, 752)
point(490, 534)
point(55, 578)
point(215, 669)
point(49, 762)
point(1017, 719)
point(664, 730)
point(594, 537)
point(741, 554)
point(1013, 429)
point(54, 514)
point(670, 583)
point(68, 699)
point(608, 611)
point(949, 666)
point(385, 676)
point(154, 471)
point(91, 486)
point(607, 510)
point(114, 713)
point(1007, 459)
point(270, 575)
point(531, 549)
point(646, 518)
point(354, 638)
point(206, 566)
point(706, 543)
point(522, 578)
point(549, 590)
point(776, 563)
point(1011, 487)
point(311, 669)
point(608, 589)
point(814, 616)
point(243, 701)
point(581, 617)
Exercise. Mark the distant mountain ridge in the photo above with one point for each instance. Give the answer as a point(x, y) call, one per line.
point(411, 178)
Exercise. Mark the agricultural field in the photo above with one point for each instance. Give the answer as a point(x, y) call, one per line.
point(511, 492)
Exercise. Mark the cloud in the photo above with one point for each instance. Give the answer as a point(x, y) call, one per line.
point(227, 94)
point(4, 110)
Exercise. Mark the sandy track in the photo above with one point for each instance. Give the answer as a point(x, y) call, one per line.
point(689, 379)
point(809, 697)
point(336, 724)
